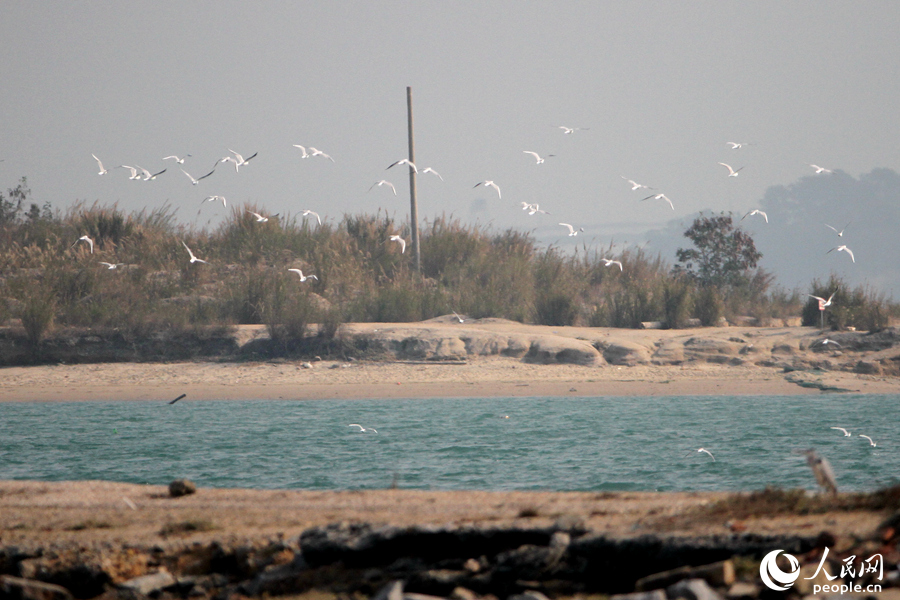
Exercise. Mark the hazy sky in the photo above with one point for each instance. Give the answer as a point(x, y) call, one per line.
point(662, 87)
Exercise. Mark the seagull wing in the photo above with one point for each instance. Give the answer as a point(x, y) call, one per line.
point(850, 252)
point(570, 228)
point(191, 177)
point(536, 156)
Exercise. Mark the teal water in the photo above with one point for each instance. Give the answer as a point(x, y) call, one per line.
point(546, 443)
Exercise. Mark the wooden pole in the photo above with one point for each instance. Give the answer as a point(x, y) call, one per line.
point(413, 205)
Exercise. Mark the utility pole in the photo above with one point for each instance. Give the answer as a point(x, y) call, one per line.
point(413, 205)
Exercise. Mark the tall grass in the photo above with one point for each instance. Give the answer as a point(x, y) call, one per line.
point(47, 278)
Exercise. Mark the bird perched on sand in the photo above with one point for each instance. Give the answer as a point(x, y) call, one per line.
point(756, 211)
point(401, 241)
point(87, 239)
point(843, 249)
point(193, 258)
point(822, 470)
point(302, 276)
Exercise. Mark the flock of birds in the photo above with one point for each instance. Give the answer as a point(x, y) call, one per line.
point(820, 466)
point(139, 173)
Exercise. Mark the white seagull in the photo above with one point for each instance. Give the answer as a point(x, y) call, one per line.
point(111, 266)
point(635, 185)
point(735, 145)
point(659, 197)
point(843, 249)
point(756, 211)
point(610, 262)
point(384, 182)
point(361, 428)
point(537, 157)
point(302, 149)
point(458, 318)
point(259, 217)
point(820, 169)
point(196, 181)
point(430, 170)
point(572, 231)
point(535, 208)
point(308, 212)
point(731, 172)
point(871, 441)
point(317, 152)
point(706, 451)
point(86, 239)
point(823, 300)
point(570, 130)
point(841, 232)
point(403, 161)
point(302, 276)
point(180, 161)
point(214, 198)
point(397, 238)
point(134, 172)
point(103, 171)
point(825, 342)
point(147, 175)
point(193, 258)
point(488, 182)
point(846, 433)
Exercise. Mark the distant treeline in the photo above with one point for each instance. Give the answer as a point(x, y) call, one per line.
point(48, 276)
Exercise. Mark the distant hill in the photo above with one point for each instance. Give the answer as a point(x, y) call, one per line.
point(796, 241)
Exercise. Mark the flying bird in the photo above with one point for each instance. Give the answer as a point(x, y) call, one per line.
point(317, 152)
point(193, 258)
point(825, 342)
point(134, 172)
point(820, 169)
point(731, 172)
point(841, 232)
point(570, 130)
point(147, 175)
point(111, 266)
point(822, 300)
point(103, 171)
point(488, 182)
point(308, 212)
point(259, 217)
point(871, 441)
point(214, 198)
point(846, 433)
point(635, 185)
point(361, 428)
point(397, 238)
point(458, 318)
point(196, 181)
point(403, 161)
point(384, 182)
point(610, 262)
point(735, 145)
point(659, 197)
point(179, 397)
point(704, 450)
point(535, 208)
point(86, 239)
point(302, 149)
point(756, 211)
point(430, 170)
point(572, 231)
point(180, 161)
point(302, 276)
point(537, 157)
point(843, 249)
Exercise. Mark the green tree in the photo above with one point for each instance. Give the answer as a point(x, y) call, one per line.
point(722, 255)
